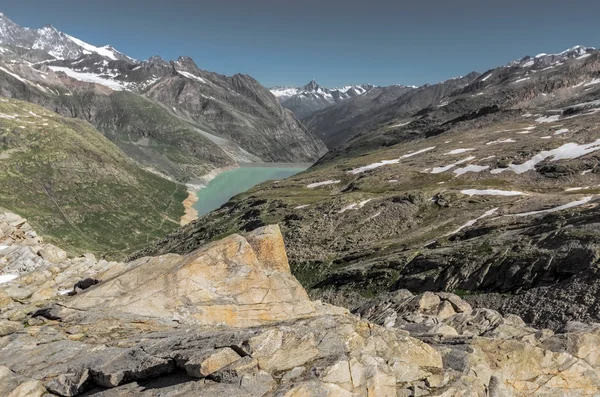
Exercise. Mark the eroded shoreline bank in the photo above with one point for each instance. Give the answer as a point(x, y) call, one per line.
point(191, 214)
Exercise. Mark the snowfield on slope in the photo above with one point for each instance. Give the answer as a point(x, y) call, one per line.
point(491, 192)
point(565, 152)
point(90, 78)
point(555, 209)
point(387, 162)
point(324, 183)
point(473, 221)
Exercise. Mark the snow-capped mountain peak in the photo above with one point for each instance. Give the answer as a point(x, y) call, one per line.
point(312, 97)
point(53, 42)
point(544, 60)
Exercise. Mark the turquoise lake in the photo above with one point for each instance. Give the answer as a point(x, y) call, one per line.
point(229, 183)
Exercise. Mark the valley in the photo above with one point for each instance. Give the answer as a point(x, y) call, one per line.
point(166, 230)
point(492, 194)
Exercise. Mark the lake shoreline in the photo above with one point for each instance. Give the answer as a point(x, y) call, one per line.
point(190, 213)
point(194, 186)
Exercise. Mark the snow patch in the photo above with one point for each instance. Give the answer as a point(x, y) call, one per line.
point(473, 221)
point(387, 162)
point(575, 189)
point(548, 119)
point(400, 125)
point(593, 82)
point(90, 78)
point(520, 80)
point(438, 170)
point(501, 141)
point(192, 76)
point(458, 151)
point(565, 152)
point(491, 192)
point(104, 51)
point(354, 206)
point(555, 209)
point(324, 183)
point(561, 131)
point(5, 278)
point(471, 168)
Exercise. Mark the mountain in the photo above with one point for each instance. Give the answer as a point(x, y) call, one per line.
point(76, 187)
point(304, 101)
point(338, 124)
point(171, 117)
point(486, 186)
point(51, 41)
point(228, 319)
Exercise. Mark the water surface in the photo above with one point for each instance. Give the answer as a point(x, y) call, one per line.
point(229, 183)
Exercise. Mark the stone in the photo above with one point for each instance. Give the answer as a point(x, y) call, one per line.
point(476, 323)
point(8, 327)
point(445, 310)
point(154, 327)
point(427, 302)
point(293, 374)
point(70, 384)
point(31, 388)
point(203, 364)
point(458, 304)
point(223, 283)
point(339, 373)
point(52, 253)
point(234, 372)
point(269, 251)
point(113, 367)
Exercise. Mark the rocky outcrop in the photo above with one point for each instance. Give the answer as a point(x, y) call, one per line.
point(230, 319)
point(238, 282)
point(498, 353)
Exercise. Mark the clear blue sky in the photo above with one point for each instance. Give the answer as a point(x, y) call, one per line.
point(335, 42)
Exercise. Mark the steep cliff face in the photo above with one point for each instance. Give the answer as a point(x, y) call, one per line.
point(230, 319)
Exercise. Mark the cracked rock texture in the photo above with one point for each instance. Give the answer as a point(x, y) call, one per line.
point(228, 319)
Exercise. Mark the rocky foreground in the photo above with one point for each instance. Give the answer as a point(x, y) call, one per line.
point(229, 319)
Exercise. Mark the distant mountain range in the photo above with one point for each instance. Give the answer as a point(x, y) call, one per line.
point(304, 101)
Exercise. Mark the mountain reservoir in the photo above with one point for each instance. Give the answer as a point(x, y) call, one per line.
point(229, 183)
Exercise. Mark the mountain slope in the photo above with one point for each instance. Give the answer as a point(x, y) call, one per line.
point(493, 190)
point(330, 123)
point(303, 101)
point(338, 124)
point(76, 187)
point(169, 116)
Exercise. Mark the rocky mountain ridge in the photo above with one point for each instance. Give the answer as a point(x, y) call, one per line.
point(249, 329)
point(51, 41)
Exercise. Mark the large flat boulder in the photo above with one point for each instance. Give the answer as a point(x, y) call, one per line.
point(238, 281)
